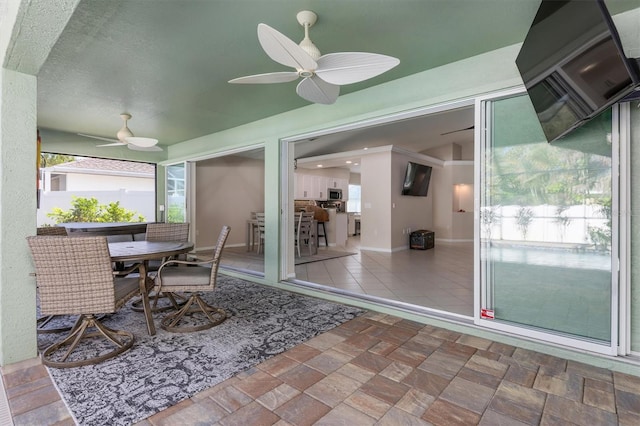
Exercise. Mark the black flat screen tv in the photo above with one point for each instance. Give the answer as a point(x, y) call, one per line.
point(416, 180)
point(573, 65)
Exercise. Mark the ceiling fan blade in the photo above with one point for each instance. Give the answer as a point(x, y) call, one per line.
point(272, 77)
point(318, 91)
point(283, 50)
point(143, 148)
point(459, 130)
point(112, 144)
point(352, 67)
point(100, 138)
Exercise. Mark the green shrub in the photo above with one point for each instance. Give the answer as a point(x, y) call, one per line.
point(89, 210)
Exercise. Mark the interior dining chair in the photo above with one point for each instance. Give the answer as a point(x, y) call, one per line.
point(74, 277)
point(260, 219)
point(200, 277)
point(305, 235)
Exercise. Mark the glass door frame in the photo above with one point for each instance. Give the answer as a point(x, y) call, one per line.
point(189, 195)
point(482, 127)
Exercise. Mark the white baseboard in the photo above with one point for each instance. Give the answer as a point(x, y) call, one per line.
point(378, 249)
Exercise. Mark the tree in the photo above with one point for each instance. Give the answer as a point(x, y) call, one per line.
point(524, 217)
point(48, 160)
point(89, 210)
point(175, 214)
point(562, 220)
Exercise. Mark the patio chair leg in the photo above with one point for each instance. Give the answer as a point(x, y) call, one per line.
point(122, 340)
point(175, 302)
point(45, 320)
point(195, 305)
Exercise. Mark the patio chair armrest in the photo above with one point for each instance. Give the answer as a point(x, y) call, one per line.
point(184, 262)
point(129, 270)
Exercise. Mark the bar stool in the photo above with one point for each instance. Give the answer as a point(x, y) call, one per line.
point(323, 235)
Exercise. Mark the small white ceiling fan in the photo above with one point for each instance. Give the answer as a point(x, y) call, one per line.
point(126, 137)
point(321, 75)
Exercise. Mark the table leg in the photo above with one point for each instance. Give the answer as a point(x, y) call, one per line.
point(146, 284)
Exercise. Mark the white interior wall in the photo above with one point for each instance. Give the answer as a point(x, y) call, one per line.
point(375, 175)
point(228, 189)
point(408, 213)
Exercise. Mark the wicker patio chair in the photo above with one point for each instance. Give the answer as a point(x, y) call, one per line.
point(200, 277)
point(74, 277)
point(52, 230)
point(167, 232)
point(45, 321)
point(163, 232)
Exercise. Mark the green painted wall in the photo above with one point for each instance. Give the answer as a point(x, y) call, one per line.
point(17, 215)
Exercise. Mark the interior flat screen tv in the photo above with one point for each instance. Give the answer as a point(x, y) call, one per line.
point(416, 180)
point(573, 65)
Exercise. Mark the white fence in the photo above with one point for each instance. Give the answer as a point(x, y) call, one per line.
point(546, 223)
point(140, 202)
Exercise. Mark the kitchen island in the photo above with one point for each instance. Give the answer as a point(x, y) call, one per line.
point(336, 228)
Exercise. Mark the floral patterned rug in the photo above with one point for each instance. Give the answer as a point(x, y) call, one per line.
point(160, 371)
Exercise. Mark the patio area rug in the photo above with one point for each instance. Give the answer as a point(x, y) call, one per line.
point(160, 371)
point(321, 255)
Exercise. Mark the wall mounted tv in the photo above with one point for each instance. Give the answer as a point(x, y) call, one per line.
point(573, 65)
point(416, 180)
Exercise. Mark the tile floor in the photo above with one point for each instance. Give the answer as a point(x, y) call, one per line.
point(439, 278)
point(380, 370)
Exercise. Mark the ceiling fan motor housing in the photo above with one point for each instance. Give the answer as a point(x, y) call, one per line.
point(124, 132)
point(306, 18)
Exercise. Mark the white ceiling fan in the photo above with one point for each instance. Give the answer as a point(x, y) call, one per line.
point(126, 137)
point(321, 75)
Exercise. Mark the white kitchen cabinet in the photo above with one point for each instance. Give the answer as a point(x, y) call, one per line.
point(338, 183)
point(319, 187)
point(309, 187)
point(298, 187)
point(314, 187)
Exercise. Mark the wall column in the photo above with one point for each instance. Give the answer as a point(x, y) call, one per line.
point(17, 215)
point(28, 32)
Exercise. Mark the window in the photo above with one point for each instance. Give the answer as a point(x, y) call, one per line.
point(87, 189)
point(175, 181)
point(353, 204)
point(176, 193)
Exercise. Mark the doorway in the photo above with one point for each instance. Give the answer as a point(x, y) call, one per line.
point(439, 279)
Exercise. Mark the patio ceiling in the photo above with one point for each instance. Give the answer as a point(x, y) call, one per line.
point(168, 62)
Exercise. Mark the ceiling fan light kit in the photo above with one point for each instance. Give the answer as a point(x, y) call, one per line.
point(321, 75)
point(140, 141)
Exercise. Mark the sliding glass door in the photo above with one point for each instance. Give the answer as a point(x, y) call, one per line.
point(546, 230)
point(177, 193)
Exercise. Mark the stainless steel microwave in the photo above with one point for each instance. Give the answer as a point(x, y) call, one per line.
point(334, 194)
